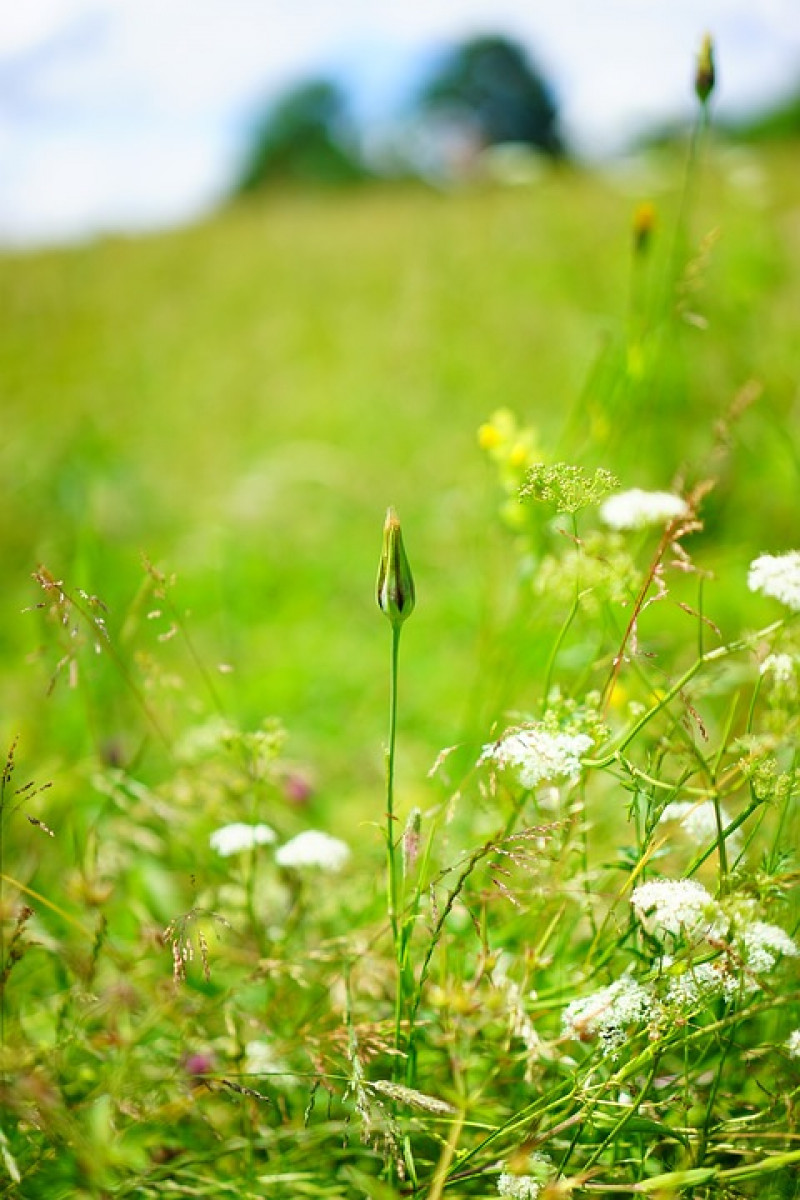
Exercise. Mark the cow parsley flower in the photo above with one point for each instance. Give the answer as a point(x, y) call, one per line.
point(608, 1012)
point(699, 821)
point(793, 1044)
point(780, 666)
point(699, 984)
point(539, 755)
point(232, 839)
point(637, 509)
point(762, 945)
point(777, 575)
point(313, 849)
point(529, 1185)
point(675, 906)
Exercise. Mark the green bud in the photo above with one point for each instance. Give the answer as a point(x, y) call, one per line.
point(395, 590)
point(704, 73)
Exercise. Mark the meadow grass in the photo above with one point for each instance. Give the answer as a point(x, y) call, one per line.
point(239, 402)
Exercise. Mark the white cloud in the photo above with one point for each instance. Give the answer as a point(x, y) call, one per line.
point(136, 107)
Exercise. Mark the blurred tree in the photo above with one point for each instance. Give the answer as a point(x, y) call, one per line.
point(303, 138)
point(489, 83)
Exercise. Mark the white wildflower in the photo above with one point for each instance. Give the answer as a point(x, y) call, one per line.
point(313, 849)
point(780, 666)
point(777, 575)
point(637, 509)
point(699, 984)
point(762, 945)
point(678, 906)
point(793, 1044)
point(526, 1186)
point(538, 755)
point(608, 1012)
point(699, 821)
point(232, 839)
point(260, 1059)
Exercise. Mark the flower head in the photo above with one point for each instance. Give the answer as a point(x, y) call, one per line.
point(699, 984)
point(762, 945)
point(526, 1186)
point(537, 754)
point(636, 509)
point(778, 576)
point(232, 839)
point(698, 819)
point(313, 849)
point(395, 587)
point(608, 1012)
point(705, 73)
point(793, 1044)
point(675, 906)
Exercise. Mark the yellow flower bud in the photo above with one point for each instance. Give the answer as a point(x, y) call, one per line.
point(644, 220)
point(395, 589)
point(705, 74)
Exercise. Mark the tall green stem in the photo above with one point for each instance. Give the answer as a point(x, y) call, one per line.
point(391, 857)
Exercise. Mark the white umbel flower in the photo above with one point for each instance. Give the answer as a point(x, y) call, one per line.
point(699, 984)
point(699, 821)
point(518, 1187)
point(780, 666)
point(608, 1012)
point(675, 906)
point(313, 849)
point(793, 1044)
point(526, 1186)
point(537, 755)
point(777, 575)
point(637, 509)
point(762, 945)
point(232, 839)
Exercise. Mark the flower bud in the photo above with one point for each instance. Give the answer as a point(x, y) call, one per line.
point(644, 220)
point(704, 73)
point(395, 590)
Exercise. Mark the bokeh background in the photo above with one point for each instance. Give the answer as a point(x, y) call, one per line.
point(267, 267)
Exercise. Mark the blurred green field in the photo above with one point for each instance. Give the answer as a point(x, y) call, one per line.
point(241, 400)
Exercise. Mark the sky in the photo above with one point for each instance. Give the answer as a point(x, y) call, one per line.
point(123, 115)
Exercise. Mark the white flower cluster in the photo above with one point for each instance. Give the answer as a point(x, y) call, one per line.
point(313, 849)
point(529, 1185)
point(608, 1012)
point(539, 755)
point(637, 509)
point(699, 984)
point(778, 576)
point(780, 666)
point(793, 1044)
point(678, 906)
point(699, 822)
point(762, 945)
point(233, 839)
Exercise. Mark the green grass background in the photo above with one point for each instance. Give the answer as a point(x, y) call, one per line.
point(242, 399)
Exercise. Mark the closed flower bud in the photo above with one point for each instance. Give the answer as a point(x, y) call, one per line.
point(704, 74)
point(644, 220)
point(395, 590)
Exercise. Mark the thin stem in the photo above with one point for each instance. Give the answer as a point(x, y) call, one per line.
point(391, 853)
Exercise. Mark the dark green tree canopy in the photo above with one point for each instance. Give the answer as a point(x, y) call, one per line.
point(490, 82)
point(303, 138)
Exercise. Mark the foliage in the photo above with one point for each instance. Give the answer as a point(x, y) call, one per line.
point(489, 82)
point(563, 960)
point(303, 138)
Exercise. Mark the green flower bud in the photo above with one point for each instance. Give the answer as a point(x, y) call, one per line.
point(395, 590)
point(704, 73)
